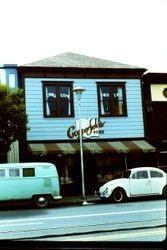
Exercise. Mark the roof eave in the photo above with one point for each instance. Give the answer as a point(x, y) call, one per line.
point(83, 69)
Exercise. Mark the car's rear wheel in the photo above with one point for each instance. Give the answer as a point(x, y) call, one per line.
point(118, 195)
point(40, 201)
point(165, 192)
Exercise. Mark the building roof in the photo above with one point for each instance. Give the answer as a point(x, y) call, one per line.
point(8, 66)
point(73, 60)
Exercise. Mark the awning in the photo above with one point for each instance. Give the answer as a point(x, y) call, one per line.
point(109, 147)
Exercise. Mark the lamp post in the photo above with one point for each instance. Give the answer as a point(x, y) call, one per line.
point(78, 91)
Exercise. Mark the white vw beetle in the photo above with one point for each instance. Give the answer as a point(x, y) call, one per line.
point(141, 181)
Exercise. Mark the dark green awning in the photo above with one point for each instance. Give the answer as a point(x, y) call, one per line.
point(70, 148)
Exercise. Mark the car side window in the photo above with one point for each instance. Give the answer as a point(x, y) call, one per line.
point(155, 174)
point(133, 176)
point(142, 174)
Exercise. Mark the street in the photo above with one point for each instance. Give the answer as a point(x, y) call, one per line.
point(141, 220)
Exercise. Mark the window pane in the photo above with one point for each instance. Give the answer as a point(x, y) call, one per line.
point(112, 99)
point(12, 80)
point(142, 175)
point(28, 172)
point(50, 100)
point(134, 176)
point(14, 172)
point(2, 173)
point(156, 174)
point(105, 100)
point(118, 101)
point(66, 171)
point(57, 99)
point(65, 101)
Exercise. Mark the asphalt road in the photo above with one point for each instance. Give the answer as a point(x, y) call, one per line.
point(131, 221)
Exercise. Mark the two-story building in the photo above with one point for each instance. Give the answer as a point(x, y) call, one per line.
point(111, 111)
point(9, 77)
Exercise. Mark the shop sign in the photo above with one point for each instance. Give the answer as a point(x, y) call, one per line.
point(159, 92)
point(90, 128)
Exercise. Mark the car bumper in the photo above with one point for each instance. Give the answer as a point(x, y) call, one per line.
point(59, 197)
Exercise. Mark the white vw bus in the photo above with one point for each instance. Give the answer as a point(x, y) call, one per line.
point(38, 182)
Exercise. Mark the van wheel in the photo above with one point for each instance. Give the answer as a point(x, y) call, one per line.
point(118, 195)
point(40, 201)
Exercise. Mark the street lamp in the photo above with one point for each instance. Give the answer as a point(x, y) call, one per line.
point(78, 91)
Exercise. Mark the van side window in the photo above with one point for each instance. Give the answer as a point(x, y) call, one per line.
point(2, 173)
point(14, 172)
point(28, 172)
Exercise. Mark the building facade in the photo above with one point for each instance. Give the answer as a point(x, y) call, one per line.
point(155, 96)
point(9, 77)
point(111, 114)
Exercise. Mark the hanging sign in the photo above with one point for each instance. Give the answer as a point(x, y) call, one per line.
point(90, 128)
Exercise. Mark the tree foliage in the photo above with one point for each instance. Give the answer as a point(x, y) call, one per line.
point(13, 118)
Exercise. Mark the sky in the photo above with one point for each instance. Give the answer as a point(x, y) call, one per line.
point(127, 31)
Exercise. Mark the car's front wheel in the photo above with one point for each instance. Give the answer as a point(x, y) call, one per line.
point(118, 195)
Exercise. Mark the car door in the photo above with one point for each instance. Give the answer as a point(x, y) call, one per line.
point(140, 183)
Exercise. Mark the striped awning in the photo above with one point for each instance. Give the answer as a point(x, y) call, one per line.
point(110, 147)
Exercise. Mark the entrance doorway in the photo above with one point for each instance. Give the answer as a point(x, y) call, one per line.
point(160, 121)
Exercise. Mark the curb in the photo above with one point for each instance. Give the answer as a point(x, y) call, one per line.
point(78, 201)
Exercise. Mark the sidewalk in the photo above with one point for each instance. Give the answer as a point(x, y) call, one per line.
point(78, 200)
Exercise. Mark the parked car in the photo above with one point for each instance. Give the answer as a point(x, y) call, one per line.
point(141, 181)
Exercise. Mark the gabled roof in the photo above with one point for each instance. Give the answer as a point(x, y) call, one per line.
point(73, 60)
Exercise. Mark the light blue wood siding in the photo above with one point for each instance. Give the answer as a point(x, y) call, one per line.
point(56, 128)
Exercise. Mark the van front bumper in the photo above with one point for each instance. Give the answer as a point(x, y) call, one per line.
point(58, 197)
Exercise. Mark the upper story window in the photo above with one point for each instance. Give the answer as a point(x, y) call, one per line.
point(12, 80)
point(112, 99)
point(58, 99)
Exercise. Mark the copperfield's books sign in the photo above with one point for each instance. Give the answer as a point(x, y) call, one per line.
point(90, 128)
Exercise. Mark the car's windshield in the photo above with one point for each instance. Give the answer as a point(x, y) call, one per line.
point(126, 174)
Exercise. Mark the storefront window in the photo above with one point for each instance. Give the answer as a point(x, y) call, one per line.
point(66, 172)
point(112, 99)
point(109, 168)
point(58, 99)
